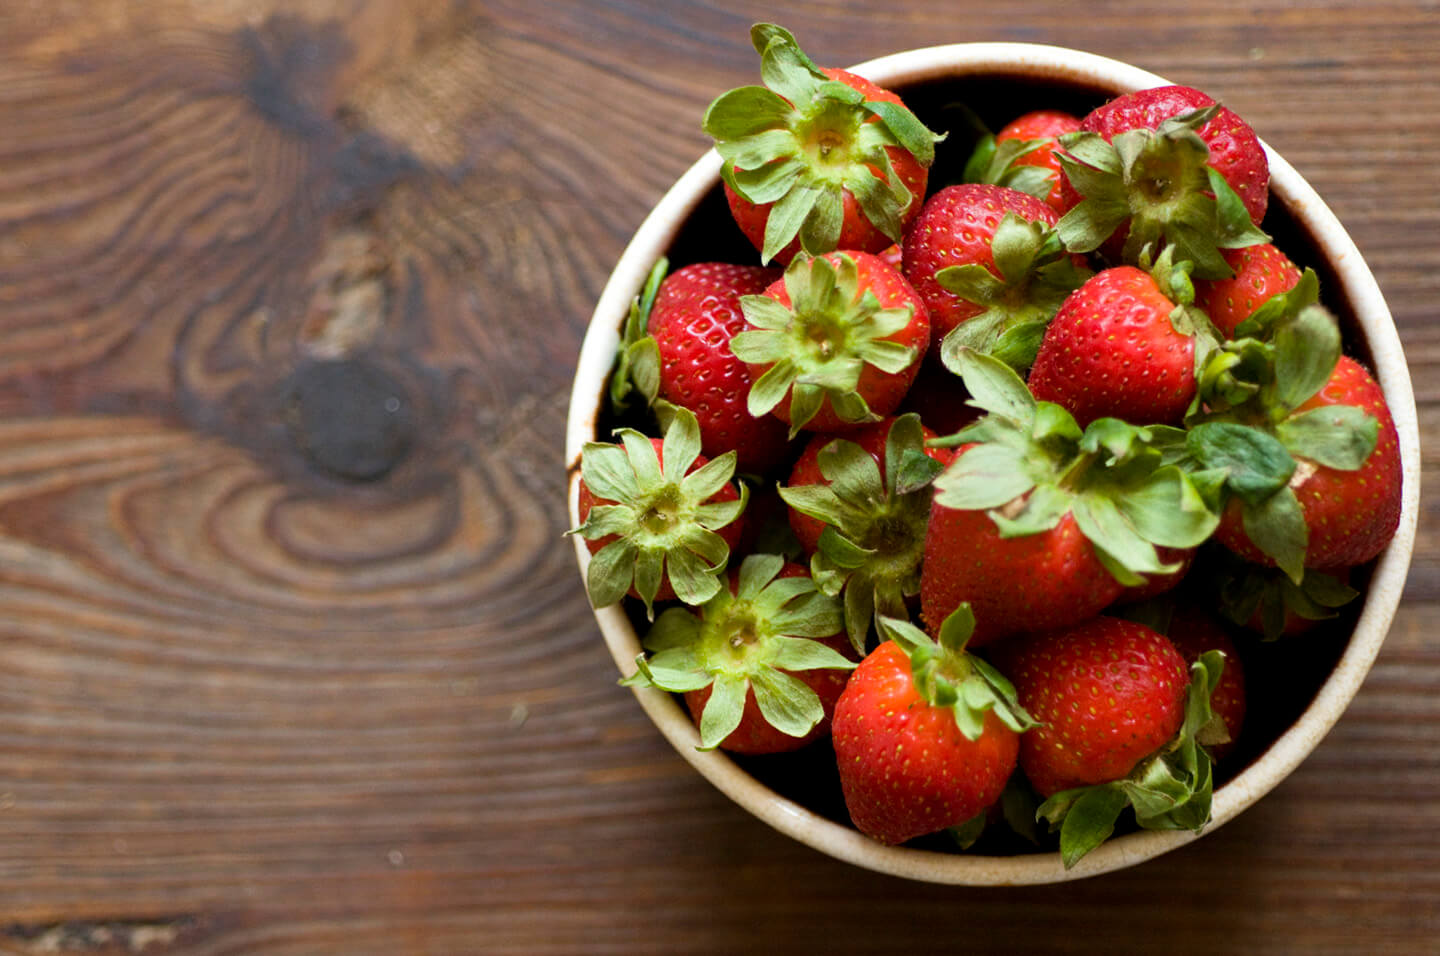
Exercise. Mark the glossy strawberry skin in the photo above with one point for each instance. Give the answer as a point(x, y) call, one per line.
point(905, 768)
point(1261, 272)
point(1194, 632)
point(1112, 351)
point(1107, 693)
point(1048, 126)
point(1027, 583)
point(806, 471)
point(1235, 150)
point(731, 532)
point(695, 315)
point(956, 227)
point(881, 390)
point(856, 231)
point(1351, 515)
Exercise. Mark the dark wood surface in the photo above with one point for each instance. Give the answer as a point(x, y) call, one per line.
point(293, 657)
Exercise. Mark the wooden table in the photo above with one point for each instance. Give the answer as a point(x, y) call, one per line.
point(293, 657)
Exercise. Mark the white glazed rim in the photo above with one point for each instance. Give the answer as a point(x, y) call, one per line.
point(1357, 284)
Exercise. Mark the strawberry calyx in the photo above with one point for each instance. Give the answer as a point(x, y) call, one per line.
point(946, 676)
point(746, 641)
point(1281, 307)
point(874, 538)
point(994, 161)
point(1246, 425)
point(1036, 275)
point(661, 516)
point(1250, 593)
point(1031, 464)
point(817, 347)
point(637, 358)
point(1159, 182)
point(1169, 790)
point(803, 140)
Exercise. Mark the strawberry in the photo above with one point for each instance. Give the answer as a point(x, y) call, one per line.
point(695, 315)
point(925, 735)
point(657, 531)
point(817, 159)
point(859, 505)
point(1118, 716)
point(986, 260)
point(1193, 632)
point(1164, 166)
point(1307, 445)
point(1037, 524)
point(1126, 345)
point(1261, 272)
point(833, 344)
point(759, 663)
point(1022, 156)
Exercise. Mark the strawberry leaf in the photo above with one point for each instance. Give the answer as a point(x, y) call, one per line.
point(1276, 526)
point(1256, 464)
point(1306, 350)
point(1336, 436)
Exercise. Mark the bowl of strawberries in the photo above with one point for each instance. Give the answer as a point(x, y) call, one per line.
point(992, 463)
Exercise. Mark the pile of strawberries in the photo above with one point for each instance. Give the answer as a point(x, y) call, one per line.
point(958, 492)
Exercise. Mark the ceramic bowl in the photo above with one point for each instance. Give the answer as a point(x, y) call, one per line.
point(1000, 81)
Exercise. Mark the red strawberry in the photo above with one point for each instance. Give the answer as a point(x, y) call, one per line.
point(657, 531)
point(759, 664)
point(1119, 715)
point(1038, 524)
point(1014, 584)
point(925, 735)
point(1193, 632)
point(1350, 514)
point(871, 491)
point(1164, 166)
point(1261, 272)
point(1107, 694)
point(844, 160)
point(695, 315)
point(1113, 350)
point(987, 257)
point(834, 344)
point(1041, 128)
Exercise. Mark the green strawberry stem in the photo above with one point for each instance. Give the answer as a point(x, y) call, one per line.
point(875, 525)
point(747, 642)
point(664, 522)
point(1170, 790)
point(803, 140)
point(1032, 464)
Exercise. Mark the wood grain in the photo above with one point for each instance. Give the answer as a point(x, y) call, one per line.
point(295, 658)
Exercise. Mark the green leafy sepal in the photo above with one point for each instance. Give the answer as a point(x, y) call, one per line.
point(803, 140)
point(948, 677)
point(875, 524)
point(1036, 275)
point(1159, 184)
point(1032, 465)
point(815, 350)
point(743, 642)
point(663, 520)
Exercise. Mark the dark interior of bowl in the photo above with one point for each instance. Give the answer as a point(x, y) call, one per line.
point(1283, 676)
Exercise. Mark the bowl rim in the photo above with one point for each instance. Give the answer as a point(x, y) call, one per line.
point(1357, 284)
